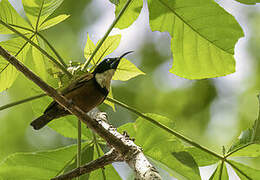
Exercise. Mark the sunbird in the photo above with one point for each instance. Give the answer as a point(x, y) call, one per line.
point(87, 92)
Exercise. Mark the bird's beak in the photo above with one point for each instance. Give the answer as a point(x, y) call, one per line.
point(116, 62)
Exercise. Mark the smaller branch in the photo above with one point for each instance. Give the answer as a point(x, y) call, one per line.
point(106, 34)
point(108, 158)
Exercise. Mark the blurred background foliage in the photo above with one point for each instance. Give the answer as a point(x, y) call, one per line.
point(212, 111)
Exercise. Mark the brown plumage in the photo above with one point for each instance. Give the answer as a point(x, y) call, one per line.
point(85, 92)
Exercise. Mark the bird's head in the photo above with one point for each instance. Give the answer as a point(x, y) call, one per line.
point(106, 69)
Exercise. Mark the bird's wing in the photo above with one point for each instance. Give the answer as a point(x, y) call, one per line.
point(80, 81)
point(77, 83)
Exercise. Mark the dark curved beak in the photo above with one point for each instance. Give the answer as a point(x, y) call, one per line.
point(116, 62)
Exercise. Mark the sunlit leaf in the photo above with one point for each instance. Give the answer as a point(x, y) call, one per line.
point(8, 73)
point(252, 150)
point(202, 158)
point(203, 36)
point(220, 173)
point(160, 146)
point(248, 172)
point(37, 165)
point(10, 16)
point(52, 22)
point(248, 2)
point(131, 13)
point(38, 10)
point(126, 70)
point(109, 45)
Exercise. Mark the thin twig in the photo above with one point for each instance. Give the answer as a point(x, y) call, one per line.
point(108, 158)
point(106, 34)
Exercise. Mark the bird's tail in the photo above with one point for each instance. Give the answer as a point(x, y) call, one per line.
point(41, 121)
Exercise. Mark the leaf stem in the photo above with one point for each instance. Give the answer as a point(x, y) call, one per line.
point(38, 47)
point(53, 50)
point(178, 135)
point(106, 34)
point(21, 101)
point(237, 149)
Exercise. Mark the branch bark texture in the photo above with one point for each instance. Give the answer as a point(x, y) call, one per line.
point(130, 152)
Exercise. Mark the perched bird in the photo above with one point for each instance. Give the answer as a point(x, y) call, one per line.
point(87, 92)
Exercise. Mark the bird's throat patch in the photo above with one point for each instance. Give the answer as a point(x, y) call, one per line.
point(104, 79)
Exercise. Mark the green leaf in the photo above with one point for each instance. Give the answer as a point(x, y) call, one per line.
point(37, 165)
point(131, 13)
point(68, 127)
point(201, 157)
point(8, 73)
point(115, 2)
point(37, 60)
point(203, 36)
point(248, 2)
point(126, 70)
point(220, 173)
point(109, 45)
point(256, 126)
point(245, 172)
point(9, 15)
point(172, 154)
point(38, 10)
point(52, 22)
point(244, 138)
point(252, 150)
point(109, 171)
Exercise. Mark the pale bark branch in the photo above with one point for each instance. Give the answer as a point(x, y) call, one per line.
point(130, 152)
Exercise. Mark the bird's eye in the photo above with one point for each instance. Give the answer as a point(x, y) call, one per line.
point(108, 60)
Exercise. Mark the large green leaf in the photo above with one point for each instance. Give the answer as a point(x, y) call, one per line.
point(252, 150)
point(220, 173)
point(201, 157)
point(8, 73)
point(9, 15)
point(109, 45)
point(162, 146)
point(38, 165)
point(131, 13)
point(248, 2)
point(38, 10)
point(126, 70)
point(203, 36)
point(248, 172)
point(52, 22)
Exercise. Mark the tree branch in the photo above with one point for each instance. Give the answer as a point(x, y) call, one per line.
point(131, 153)
point(108, 158)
